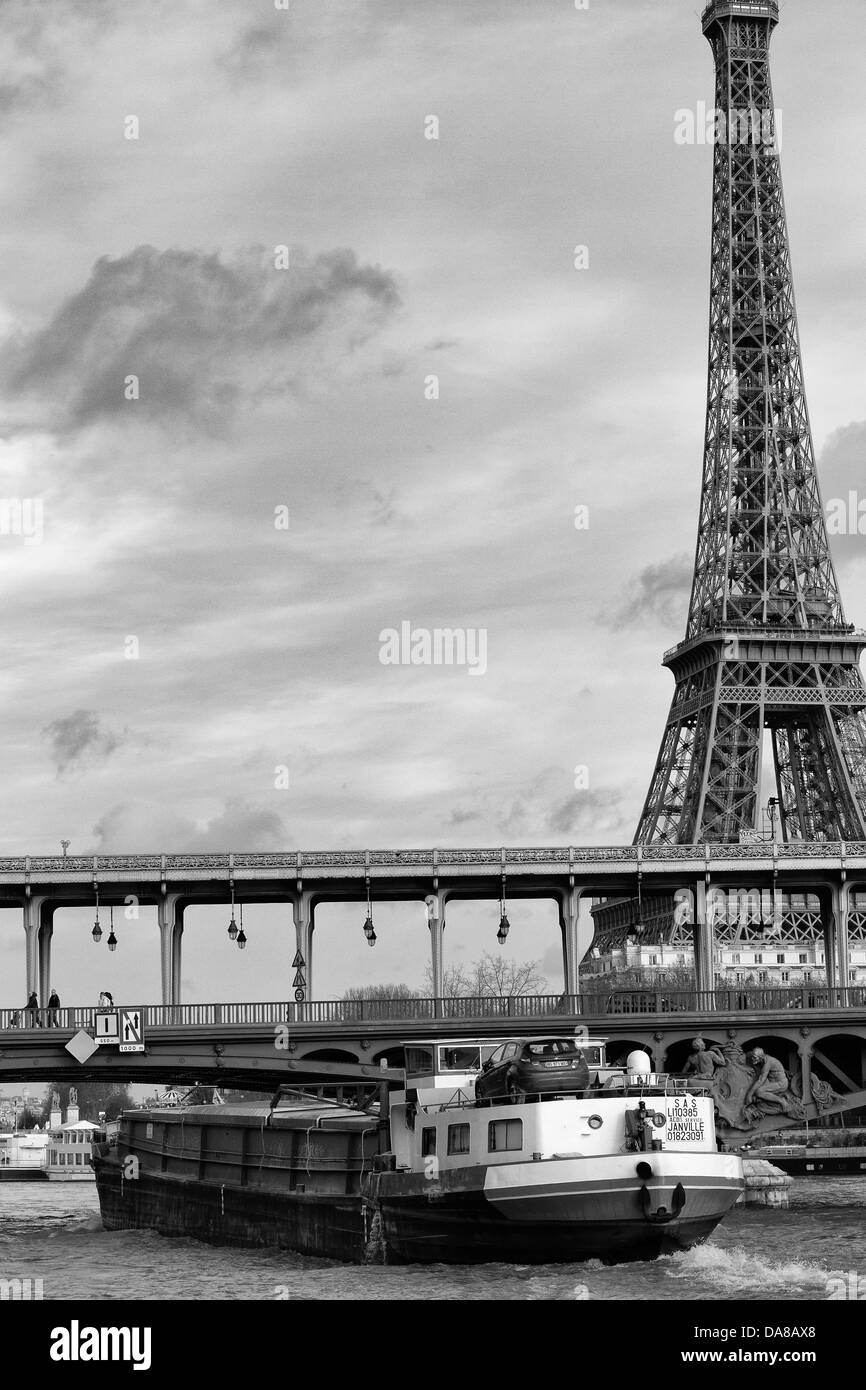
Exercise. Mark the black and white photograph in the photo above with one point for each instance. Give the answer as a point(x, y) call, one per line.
point(433, 587)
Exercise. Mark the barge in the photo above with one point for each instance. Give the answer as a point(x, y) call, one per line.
point(624, 1166)
point(808, 1160)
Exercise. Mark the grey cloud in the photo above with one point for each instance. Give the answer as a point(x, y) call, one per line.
point(587, 812)
point(240, 825)
point(660, 593)
point(78, 738)
point(202, 334)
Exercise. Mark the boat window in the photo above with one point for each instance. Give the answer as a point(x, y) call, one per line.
point(428, 1141)
point(419, 1059)
point(458, 1139)
point(459, 1059)
point(504, 1134)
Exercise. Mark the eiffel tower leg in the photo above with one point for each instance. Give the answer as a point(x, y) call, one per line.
point(728, 799)
point(817, 794)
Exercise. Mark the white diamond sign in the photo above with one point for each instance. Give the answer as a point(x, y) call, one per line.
point(82, 1046)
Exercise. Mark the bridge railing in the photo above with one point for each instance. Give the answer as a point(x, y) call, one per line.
point(474, 1010)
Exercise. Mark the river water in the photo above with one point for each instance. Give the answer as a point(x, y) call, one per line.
point(52, 1232)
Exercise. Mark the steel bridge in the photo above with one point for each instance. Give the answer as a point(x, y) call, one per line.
point(304, 880)
point(261, 1045)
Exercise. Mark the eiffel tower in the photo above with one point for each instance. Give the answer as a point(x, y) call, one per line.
point(766, 645)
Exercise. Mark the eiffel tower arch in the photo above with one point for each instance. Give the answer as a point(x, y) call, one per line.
point(767, 646)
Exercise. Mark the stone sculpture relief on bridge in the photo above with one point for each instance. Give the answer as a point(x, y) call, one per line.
point(749, 1087)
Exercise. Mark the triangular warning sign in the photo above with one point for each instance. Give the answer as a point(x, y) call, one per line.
point(299, 960)
point(299, 982)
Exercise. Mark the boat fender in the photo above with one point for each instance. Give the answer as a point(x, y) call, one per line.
point(409, 1115)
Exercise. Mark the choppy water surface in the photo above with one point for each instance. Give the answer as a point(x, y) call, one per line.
point(52, 1231)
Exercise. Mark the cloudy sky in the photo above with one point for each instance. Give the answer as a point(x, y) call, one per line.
point(236, 473)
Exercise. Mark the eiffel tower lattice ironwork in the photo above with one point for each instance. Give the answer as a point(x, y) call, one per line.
point(766, 645)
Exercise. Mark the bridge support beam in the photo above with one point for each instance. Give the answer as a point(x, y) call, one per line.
point(46, 931)
point(32, 922)
point(177, 954)
point(704, 941)
point(841, 902)
point(303, 914)
point(569, 925)
point(166, 913)
point(805, 1052)
point(435, 904)
point(828, 921)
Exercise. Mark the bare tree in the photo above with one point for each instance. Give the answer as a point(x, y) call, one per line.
point(499, 977)
point(380, 992)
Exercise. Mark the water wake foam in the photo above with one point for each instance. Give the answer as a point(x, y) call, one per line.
point(739, 1269)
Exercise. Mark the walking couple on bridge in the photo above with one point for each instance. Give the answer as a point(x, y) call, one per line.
point(33, 1011)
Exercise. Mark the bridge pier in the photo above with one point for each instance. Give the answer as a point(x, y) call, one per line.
point(46, 931)
point(32, 922)
point(703, 937)
point(166, 915)
point(828, 899)
point(569, 925)
point(435, 904)
point(840, 904)
point(176, 937)
point(303, 915)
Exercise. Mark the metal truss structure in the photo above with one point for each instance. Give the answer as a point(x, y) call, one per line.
point(766, 645)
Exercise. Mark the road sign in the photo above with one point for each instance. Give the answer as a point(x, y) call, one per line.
point(131, 1030)
point(299, 981)
point(107, 1031)
point(299, 960)
point(299, 996)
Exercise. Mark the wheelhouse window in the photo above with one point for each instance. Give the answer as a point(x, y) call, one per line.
point(458, 1139)
point(504, 1134)
point(419, 1060)
point(459, 1059)
point(428, 1141)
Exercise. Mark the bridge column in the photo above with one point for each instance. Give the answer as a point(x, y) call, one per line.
point(805, 1053)
point(165, 913)
point(841, 902)
point(32, 921)
point(569, 925)
point(303, 916)
point(176, 938)
point(704, 940)
point(828, 920)
point(435, 904)
point(46, 931)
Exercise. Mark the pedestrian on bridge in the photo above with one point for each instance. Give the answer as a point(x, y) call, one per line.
point(53, 1006)
point(32, 1013)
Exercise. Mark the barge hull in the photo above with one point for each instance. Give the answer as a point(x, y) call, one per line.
point(327, 1226)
